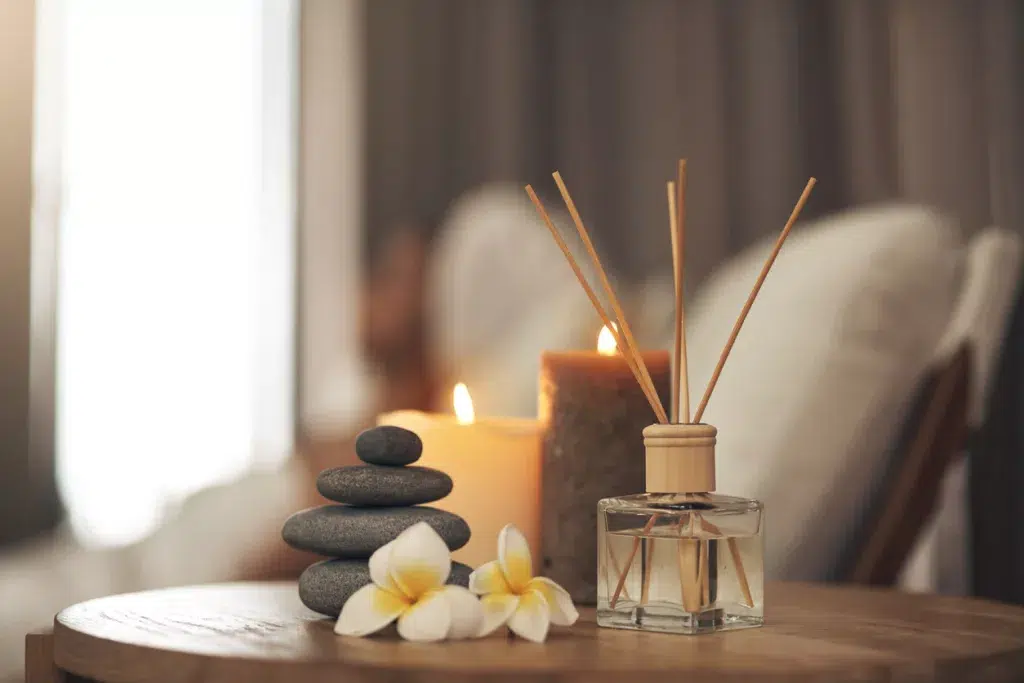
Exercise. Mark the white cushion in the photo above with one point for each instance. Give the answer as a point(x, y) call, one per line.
point(817, 384)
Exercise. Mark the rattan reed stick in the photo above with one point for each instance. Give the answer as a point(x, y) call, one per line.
point(750, 299)
point(603, 277)
point(629, 560)
point(648, 388)
point(645, 587)
point(682, 371)
point(677, 350)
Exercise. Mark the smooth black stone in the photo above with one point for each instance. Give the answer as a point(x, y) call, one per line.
point(389, 445)
point(326, 586)
point(346, 532)
point(378, 486)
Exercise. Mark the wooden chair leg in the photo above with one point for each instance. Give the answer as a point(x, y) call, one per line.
point(39, 666)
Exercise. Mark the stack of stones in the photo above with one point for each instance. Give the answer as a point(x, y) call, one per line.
point(375, 503)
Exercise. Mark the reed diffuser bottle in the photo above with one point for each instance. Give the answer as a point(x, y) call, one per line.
point(679, 558)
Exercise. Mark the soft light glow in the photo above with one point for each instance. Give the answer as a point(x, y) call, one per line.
point(606, 341)
point(463, 405)
point(198, 354)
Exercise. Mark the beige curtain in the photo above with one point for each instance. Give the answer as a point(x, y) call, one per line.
point(879, 99)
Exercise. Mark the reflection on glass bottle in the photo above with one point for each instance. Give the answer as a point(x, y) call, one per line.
point(682, 563)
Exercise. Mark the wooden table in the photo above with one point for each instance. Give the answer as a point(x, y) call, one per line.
point(256, 633)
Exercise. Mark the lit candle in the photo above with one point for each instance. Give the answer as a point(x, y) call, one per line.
point(494, 464)
point(593, 413)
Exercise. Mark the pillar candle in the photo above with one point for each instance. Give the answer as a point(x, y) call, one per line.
point(494, 464)
point(592, 414)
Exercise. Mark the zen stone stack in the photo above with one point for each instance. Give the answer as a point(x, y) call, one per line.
point(374, 503)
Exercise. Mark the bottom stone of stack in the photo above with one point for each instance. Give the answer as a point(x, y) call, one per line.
point(325, 586)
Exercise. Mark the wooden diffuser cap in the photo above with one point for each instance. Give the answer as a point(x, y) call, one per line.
point(680, 458)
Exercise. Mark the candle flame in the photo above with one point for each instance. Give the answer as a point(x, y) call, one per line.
point(606, 341)
point(463, 404)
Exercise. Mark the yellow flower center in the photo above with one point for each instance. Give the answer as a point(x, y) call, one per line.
point(416, 580)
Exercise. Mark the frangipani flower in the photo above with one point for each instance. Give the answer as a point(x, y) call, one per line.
point(409, 577)
point(511, 595)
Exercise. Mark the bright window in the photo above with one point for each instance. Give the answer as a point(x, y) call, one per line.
point(174, 361)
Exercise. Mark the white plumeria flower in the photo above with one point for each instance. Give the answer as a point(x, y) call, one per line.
point(511, 595)
point(409, 577)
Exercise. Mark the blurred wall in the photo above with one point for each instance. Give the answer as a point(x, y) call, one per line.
point(334, 388)
point(28, 498)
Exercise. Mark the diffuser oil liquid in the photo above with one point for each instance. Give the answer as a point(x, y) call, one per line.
point(680, 563)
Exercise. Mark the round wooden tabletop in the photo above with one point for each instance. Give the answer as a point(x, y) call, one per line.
point(261, 633)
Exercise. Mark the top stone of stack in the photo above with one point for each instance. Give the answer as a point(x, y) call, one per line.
point(390, 446)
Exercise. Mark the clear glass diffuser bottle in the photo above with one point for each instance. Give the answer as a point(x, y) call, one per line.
point(680, 558)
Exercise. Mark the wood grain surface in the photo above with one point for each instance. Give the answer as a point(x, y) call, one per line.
point(260, 632)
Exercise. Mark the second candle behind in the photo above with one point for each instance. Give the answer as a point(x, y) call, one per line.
point(592, 413)
point(494, 464)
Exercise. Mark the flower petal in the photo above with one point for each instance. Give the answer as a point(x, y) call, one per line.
point(563, 612)
point(419, 561)
point(428, 620)
point(514, 557)
point(497, 608)
point(531, 618)
point(379, 568)
point(467, 616)
point(488, 578)
point(369, 610)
